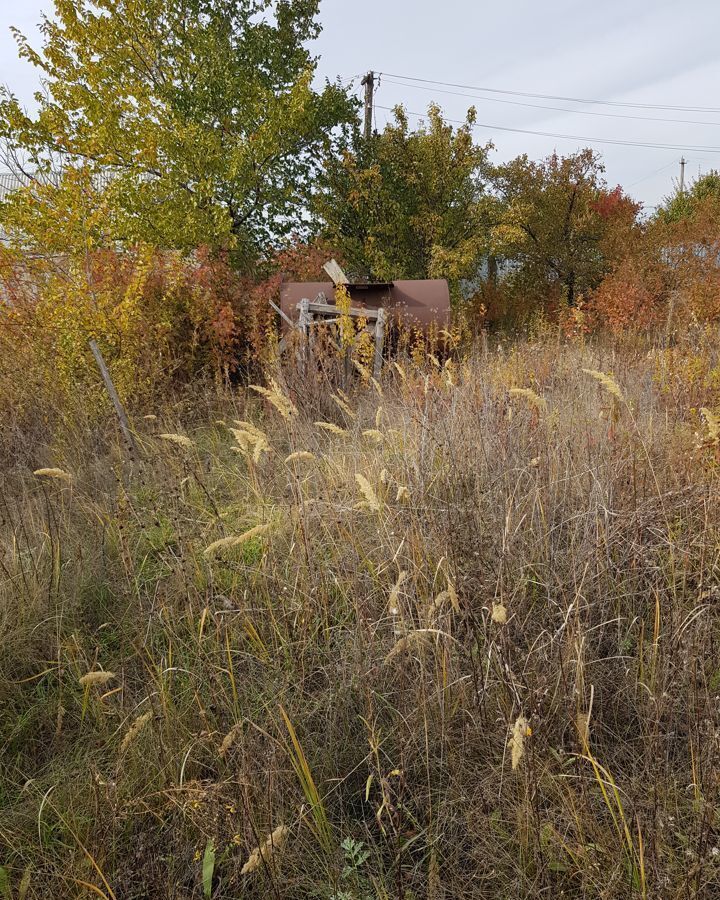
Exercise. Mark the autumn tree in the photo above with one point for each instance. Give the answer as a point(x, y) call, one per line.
point(196, 121)
point(560, 227)
point(702, 194)
point(408, 203)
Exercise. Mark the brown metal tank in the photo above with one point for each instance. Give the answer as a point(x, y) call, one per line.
point(415, 302)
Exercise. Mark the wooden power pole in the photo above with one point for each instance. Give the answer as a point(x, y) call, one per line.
point(682, 174)
point(369, 83)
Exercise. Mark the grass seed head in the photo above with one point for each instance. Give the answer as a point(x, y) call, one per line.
point(582, 723)
point(712, 423)
point(395, 593)
point(299, 455)
point(342, 403)
point(532, 399)
point(230, 739)
point(60, 474)
point(270, 847)
point(368, 492)
point(96, 678)
point(179, 439)
point(235, 540)
point(135, 729)
point(331, 427)
point(520, 730)
point(405, 644)
point(274, 395)
point(374, 434)
point(499, 614)
point(608, 382)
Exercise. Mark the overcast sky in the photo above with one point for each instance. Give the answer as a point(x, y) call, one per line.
point(649, 52)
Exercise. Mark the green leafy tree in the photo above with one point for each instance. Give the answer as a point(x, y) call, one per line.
point(703, 193)
point(408, 203)
point(559, 225)
point(194, 119)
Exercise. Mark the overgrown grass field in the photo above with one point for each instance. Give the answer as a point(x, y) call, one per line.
point(450, 635)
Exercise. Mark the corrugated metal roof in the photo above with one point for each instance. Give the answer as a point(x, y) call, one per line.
point(8, 184)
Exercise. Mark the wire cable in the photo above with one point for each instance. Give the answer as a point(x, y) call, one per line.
point(651, 174)
point(469, 87)
point(575, 137)
point(562, 109)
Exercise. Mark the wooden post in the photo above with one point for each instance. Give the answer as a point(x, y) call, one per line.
point(379, 342)
point(121, 414)
point(368, 83)
point(304, 326)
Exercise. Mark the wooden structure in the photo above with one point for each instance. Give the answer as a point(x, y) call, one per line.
point(320, 312)
point(419, 303)
point(305, 306)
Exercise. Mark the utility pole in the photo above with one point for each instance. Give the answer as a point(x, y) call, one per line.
point(369, 83)
point(682, 174)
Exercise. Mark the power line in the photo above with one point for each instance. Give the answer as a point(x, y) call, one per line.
point(562, 109)
point(469, 87)
point(651, 174)
point(575, 137)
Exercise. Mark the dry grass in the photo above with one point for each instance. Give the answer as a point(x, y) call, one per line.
point(476, 654)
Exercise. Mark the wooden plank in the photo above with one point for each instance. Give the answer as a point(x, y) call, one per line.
point(282, 314)
point(335, 272)
point(327, 321)
point(328, 309)
point(379, 342)
point(119, 409)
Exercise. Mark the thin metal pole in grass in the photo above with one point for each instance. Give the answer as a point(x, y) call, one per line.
point(119, 409)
